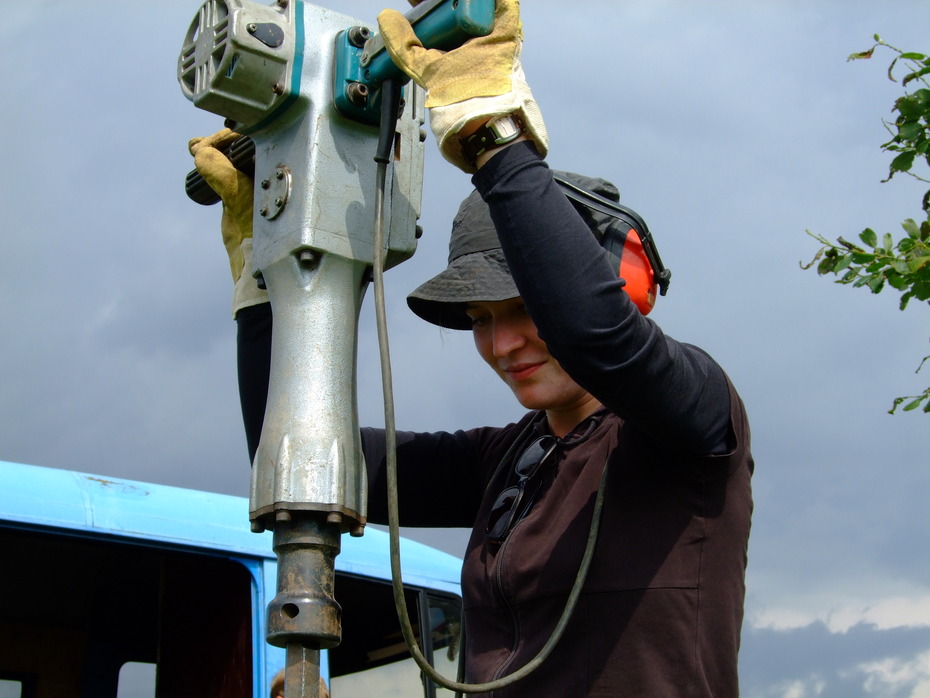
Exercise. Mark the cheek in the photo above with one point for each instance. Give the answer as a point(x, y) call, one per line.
point(483, 344)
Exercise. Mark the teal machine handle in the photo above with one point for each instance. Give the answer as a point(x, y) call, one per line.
point(362, 62)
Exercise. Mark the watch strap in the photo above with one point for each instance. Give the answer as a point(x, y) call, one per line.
point(496, 132)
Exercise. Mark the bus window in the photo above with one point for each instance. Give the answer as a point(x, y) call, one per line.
point(445, 620)
point(372, 659)
point(74, 610)
point(136, 680)
point(16, 685)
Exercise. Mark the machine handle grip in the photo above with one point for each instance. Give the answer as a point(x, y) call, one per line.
point(241, 152)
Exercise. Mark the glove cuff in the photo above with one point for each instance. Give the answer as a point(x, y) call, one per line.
point(446, 122)
point(246, 291)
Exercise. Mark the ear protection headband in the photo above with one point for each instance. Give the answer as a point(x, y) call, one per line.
point(628, 244)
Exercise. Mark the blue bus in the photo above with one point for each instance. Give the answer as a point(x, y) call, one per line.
point(115, 588)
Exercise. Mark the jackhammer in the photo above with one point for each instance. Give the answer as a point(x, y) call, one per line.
point(309, 87)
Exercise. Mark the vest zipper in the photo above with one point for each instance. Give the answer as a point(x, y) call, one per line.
point(514, 617)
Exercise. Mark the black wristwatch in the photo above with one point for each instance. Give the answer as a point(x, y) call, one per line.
point(498, 131)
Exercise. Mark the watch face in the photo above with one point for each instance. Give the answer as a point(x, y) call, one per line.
point(505, 129)
point(499, 131)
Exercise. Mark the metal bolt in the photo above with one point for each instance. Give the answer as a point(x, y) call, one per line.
point(279, 175)
point(260, 282)
point(251, 28)
point(265, 184)
point(278, 88)
point(278, 201)
point(263, 212)
point(357, 93)
point(358, 36)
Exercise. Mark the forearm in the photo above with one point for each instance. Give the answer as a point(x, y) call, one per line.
point(437, 479)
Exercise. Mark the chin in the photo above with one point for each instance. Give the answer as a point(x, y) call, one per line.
point(530, 399)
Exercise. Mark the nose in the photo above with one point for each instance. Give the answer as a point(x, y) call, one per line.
point(506, 337)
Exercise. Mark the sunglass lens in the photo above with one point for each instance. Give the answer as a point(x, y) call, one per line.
point(499, 518)
point(534, 455)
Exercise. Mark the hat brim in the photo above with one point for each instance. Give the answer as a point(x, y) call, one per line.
point(480, 276)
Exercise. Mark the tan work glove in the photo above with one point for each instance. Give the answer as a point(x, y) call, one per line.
point(235, 189)
point(481, 79)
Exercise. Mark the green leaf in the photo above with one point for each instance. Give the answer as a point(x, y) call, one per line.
point(869, 237)
point(825, 266)
point(910, 130)
point(912, 56)
point(896, 281)
point(891, 70)
point(913, 404)
point(842, 263)
point(862, 257)
point(876, 283)
point(911, 108)
point(861, 55)
point(903, 162)
point(921, 290)
point(911, 228)
point(914, 76)
point(888, 242)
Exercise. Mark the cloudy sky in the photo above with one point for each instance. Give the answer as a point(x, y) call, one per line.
point(730, 126)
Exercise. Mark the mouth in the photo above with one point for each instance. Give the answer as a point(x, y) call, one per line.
point(523, 371)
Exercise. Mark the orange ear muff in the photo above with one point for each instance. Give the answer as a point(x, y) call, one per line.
point(628, 244)
point(625, 250)
point(635, 269)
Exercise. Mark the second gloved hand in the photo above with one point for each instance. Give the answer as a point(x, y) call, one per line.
point(480, 80)
point(235, 189)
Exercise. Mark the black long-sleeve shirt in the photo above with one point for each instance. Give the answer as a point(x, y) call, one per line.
point(662, 607)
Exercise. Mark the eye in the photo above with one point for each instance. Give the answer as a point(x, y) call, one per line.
point(479, 319)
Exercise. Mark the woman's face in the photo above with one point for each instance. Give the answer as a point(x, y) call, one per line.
point(507, 340)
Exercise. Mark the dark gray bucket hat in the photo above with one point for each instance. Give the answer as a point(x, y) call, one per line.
point(477, 270)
